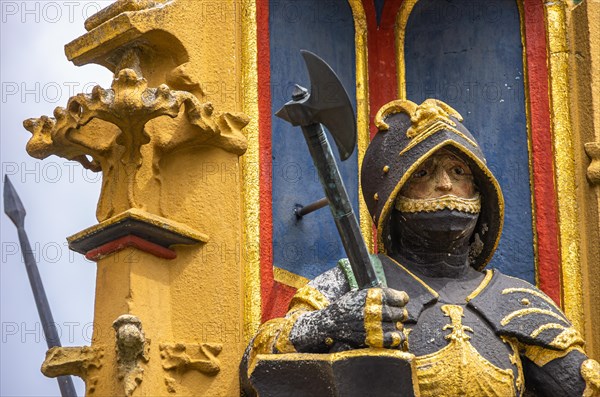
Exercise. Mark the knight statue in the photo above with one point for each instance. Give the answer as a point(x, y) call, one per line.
point(439, 215)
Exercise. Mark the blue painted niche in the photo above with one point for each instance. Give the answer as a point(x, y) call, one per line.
point(309, 246)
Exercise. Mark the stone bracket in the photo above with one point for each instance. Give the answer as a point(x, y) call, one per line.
point(78, 361)
point(593, 172)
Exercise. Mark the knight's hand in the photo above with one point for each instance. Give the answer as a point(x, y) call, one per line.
point(371, 317)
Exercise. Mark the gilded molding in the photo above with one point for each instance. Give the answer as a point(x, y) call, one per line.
point(593, 172)
point(250, 164)
point(362, 111)
point(401, 22)
point(564, 162)
point(288, 278)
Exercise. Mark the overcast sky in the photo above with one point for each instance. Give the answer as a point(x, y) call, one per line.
point(60, 196)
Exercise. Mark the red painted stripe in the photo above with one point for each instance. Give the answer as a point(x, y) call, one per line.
point(130, 241)
point(543, 168)
point(265, 164)
point(382, 56)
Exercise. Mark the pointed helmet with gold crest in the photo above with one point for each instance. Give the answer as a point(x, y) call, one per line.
point(408, 135)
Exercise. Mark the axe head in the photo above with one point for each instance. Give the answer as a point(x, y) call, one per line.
point(326, 103)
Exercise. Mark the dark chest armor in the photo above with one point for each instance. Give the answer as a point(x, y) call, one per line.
point(465, 337)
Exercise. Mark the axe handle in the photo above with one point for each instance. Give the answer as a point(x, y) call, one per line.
point(339, 203)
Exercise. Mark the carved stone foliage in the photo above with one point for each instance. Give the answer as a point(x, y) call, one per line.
point(106, 130)
point(132, 350)
point(182, 357)
point(78, 361)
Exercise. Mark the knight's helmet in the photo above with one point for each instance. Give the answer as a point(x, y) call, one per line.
point(408, 135)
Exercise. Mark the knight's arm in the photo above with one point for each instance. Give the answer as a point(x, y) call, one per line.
point(286, 334)
point(550, 348)
point(558, 373)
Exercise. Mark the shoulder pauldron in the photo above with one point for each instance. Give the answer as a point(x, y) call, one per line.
point(515, 308)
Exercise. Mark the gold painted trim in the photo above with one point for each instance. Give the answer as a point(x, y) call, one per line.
point(525, 312)
point(545, 327)
point(542, 355)
point(374, 317)
point(333, 357)
point(401, 22)
point(283, 343)
point(484, 283)
point(288, 278)
point(362, 112)
point(309, 298)
point(447, 201)
point(564, 162)
point(423, 283)
point(532, 292)
point(536, 257)
point(250, 187)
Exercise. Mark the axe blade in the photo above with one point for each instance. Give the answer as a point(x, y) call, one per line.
point(330, 103)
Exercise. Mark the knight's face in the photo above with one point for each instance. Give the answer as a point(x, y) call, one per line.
point(442, 174)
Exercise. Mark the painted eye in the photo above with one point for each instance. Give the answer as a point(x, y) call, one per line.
point(420, 174)
point(459, 171)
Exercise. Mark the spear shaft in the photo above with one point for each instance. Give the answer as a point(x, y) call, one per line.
point(13, 207)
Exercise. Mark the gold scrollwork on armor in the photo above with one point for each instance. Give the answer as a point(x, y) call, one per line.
point(567, 338)
point(373, 317)
point(448, 201)
point(531, 292)
point(525, 312)
point(444, 373)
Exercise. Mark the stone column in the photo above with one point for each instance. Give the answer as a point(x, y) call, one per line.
point(167, 137)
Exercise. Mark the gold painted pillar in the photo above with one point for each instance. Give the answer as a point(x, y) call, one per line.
point(167, 137)
point(583, 37)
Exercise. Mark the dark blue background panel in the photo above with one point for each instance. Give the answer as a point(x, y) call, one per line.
point(469, 54)
point(309, 246)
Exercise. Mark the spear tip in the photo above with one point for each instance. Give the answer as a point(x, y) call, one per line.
point(13, 207)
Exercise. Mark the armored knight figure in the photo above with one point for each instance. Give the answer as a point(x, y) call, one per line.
point(439, 214)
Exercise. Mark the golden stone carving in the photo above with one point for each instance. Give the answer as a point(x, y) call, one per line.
point(132, 349)
point(78, 361)
point(129, 105)
point(201, 357)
